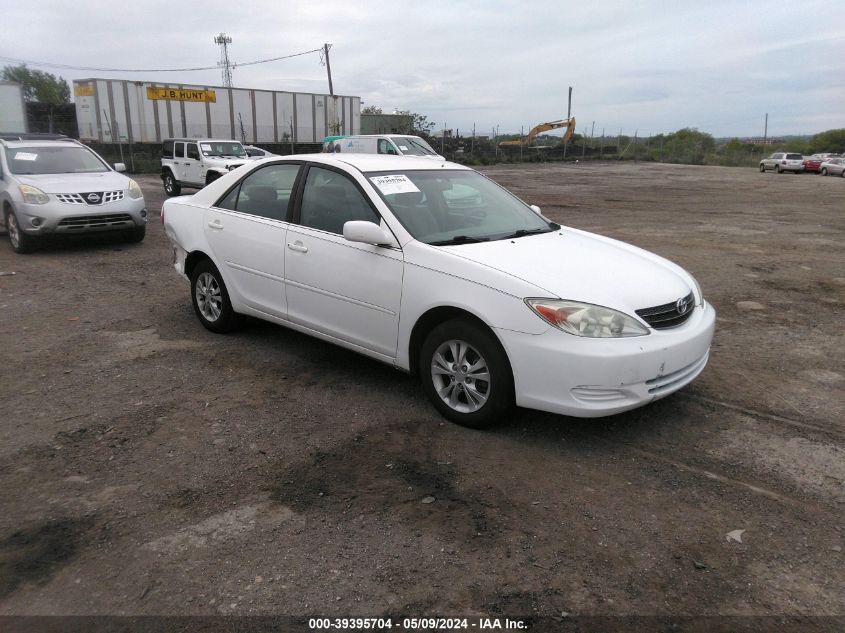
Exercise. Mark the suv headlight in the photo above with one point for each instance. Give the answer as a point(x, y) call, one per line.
point(586, 319)
point(134, 190)
point(33, 195)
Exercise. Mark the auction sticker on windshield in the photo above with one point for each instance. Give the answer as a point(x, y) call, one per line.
point(25, 156)
point(397, 183)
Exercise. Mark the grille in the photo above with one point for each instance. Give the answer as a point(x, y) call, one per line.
point(667, 315)
point(95, 221)
point(81, 198)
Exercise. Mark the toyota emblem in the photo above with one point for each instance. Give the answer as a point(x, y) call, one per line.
point(682, 305)
point(93, 198)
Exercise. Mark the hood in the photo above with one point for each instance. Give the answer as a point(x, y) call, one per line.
point(571, 264)
point(76, 183)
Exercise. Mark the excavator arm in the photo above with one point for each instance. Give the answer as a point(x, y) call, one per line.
point(569, 124)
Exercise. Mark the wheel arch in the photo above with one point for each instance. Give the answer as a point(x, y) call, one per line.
point(191, 261)
point(434, 317)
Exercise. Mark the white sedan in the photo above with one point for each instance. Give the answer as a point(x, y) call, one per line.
point(438, 271)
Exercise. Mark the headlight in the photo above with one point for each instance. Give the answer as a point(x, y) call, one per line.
point(134, 190)
point(698, 294)
point(586, 319)
point(33, 195)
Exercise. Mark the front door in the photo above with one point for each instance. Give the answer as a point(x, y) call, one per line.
point(193, 165)
point(348, 290)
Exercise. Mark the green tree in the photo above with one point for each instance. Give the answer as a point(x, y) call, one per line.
point(371, 109)
point(688, 146)
point(38, 85)
point(829, 141)
point(420, 122)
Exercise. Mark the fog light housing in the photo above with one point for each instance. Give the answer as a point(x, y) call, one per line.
point(143, 213)
point(36, 222)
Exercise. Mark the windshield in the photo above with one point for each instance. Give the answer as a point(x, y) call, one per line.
point(413, 146)
point(218, 148)
point(53, 160)
point(453, 207)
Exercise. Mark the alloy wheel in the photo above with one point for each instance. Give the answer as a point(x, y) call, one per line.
point(460, 376)
point(209, 297)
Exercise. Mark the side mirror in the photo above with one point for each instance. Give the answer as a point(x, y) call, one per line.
point(536, 209)
point(365, 232)
point(120, 167)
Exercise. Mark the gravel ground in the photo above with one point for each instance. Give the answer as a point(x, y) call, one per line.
point(148, 466)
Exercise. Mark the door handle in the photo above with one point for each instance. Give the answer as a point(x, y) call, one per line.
point(216, 224)
point(299, 247)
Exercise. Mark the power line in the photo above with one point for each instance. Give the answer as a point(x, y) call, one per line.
point(15, 60)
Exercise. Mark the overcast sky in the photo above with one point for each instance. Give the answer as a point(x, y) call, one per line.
point(647, 66)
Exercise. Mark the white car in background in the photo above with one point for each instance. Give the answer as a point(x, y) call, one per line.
point(783, 161)
point(833, 167)
point(489, 302)
point(256, 153)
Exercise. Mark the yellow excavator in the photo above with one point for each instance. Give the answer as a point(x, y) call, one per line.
point(528, 141)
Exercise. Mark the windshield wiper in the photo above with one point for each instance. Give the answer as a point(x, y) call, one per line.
point(460, 239)
point(524, 232)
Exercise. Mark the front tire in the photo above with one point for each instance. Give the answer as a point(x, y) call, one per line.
point(778, 169)
point(211, 299)
point(824, 171)
point(466, 374)
point(136, 234)
point(171, 185)
point(20, 241)
point(762, 168)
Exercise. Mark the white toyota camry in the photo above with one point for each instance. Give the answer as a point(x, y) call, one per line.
point(439, 271)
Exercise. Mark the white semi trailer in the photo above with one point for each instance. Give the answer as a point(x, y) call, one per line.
point(12, 108)
point(113, 110)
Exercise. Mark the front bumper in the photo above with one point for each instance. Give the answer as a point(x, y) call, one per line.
point(57, 218)
point(583, 377)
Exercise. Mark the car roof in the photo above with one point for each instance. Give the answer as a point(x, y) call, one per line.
point(43, 143)
point(379, 162)
point(203, 140)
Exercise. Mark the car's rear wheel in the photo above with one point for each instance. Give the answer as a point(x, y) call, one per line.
point(20, 241)
point(842, 173)
point(211, 299)
point(171, 185)
point(824, 171)
point(466, 374)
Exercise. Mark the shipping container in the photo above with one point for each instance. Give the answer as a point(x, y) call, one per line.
point(12, 107)
point(114, 110)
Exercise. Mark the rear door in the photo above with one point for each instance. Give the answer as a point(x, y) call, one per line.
point(246, 230)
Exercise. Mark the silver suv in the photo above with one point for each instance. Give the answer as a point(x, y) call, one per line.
point(61, 187)
point(783, 161)
point(191, 162)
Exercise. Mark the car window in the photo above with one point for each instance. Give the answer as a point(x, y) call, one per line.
point(330, 199)
point(193, 151)
point(443, 205)
point(265, 192)
point(167, 149)
point(179, 151)
point(385, 147)
point(794, 157)
point(64, 159)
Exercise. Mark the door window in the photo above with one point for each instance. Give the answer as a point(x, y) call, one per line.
point(193, 151)
point(265, 192)
point(385, 147)
point(180, 150)
point(330, 200)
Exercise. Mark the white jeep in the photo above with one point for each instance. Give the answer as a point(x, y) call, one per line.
point(195, 162)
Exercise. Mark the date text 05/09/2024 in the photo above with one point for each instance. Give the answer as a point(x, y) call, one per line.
point(416, 624)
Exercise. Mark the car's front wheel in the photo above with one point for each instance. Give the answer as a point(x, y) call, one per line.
point(211, 299)
point(762, 168)
point(136, 234)
point(778, 169)
point(466, 374)
point(824, 171)
point(171, 185)
point(20, 241)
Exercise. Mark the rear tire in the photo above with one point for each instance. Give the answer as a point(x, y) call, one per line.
point(20, 241)
point(211, 299)
point(466, 374)
point(171, 185)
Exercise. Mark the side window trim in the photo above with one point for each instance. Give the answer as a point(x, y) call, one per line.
point(297, 214)
point(294, 192)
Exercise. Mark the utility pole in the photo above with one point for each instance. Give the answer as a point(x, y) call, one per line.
point(584, 145)
point(766, 129)
point(568, 116)
point(522, 141)
point(223, 41)
point(328, 64)
point(472, 143)
point(601, 151)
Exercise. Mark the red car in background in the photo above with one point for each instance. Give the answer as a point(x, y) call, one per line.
point(813, 163)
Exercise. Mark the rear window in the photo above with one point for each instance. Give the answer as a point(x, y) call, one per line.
point(167, 149)
point(794, 157)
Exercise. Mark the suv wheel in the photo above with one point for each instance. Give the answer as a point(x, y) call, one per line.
point(20, 241)
point(171, 185)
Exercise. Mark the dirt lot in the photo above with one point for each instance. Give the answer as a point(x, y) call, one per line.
point(148, 466)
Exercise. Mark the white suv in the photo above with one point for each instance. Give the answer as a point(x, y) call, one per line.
point(196, 162)
point(782, 161)
point(60, 187)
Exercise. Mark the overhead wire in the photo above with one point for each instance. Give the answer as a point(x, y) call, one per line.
point(15, 60)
